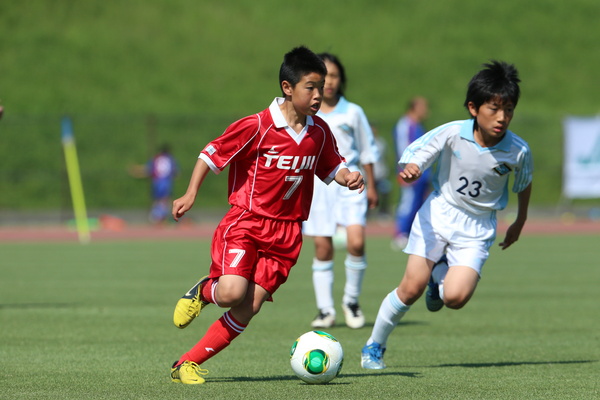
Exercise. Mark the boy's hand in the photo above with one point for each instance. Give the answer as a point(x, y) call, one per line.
point(410, 173)
point(181, 206)
point(354, 181)
point(512, 235)
point(372, 196)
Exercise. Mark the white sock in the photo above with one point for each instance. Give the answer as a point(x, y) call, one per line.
point(213, 291)
point(323, 284)
point(391, 311)
point(355, 271)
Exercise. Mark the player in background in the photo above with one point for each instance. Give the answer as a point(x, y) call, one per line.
point(273, 157)
point(334, 206)
point(451, 236)
point(381, 174)
point(412, 196)
point(162, 169)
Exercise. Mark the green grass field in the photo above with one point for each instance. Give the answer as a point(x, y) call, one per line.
point(94, 322)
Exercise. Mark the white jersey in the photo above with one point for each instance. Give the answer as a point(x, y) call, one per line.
point(469, 176)
point(353, 133)
point(337, 205)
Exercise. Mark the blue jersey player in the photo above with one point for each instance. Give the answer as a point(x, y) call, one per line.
point(162, 169)
point(455, 228)
point(412, 196)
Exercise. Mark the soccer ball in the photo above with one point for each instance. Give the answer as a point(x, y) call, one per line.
point(316, 357)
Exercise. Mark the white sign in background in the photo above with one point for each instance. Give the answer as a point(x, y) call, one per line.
point(581, 167)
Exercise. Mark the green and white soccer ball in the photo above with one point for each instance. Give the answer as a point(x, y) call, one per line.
point(316, 357)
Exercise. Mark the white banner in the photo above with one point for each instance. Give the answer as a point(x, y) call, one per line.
point(581, 167)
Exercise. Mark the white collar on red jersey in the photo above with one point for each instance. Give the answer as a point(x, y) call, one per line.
point(278, 117)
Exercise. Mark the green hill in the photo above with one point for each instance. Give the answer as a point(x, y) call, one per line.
point(134, 74)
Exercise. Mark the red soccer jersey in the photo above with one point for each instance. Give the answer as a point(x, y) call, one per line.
point(271, 167)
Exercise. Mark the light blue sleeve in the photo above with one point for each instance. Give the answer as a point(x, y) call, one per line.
point(368, 151)
point(524, 172)
point(426, 149)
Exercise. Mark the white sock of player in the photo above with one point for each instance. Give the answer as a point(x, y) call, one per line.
point(355, 271)
point(323, 284)
point(439, 274)
point(391, 311)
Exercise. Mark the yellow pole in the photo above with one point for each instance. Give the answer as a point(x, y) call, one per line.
point(81, 220)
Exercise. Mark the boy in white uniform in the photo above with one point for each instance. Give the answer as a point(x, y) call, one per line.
point(454, 229)
point(332, 207)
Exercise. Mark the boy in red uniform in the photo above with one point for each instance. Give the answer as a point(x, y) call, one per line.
point(273, 157)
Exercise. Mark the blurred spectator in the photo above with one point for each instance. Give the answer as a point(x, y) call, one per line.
point(381, 173)
point(407, 130)
point(162, 169)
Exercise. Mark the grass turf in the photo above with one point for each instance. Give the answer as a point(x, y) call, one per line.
point(95, 322)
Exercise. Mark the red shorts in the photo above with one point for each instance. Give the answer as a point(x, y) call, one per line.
point(260, 249)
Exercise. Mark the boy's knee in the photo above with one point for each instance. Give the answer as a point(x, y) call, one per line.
point(230, 296)
point(454, 305)
point(456, 302)
point(356, 246)
point(229, 299)
point(409, 294)
point(231, 290)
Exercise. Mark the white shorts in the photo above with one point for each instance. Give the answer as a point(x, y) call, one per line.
point(440, 228)
point(334, 205)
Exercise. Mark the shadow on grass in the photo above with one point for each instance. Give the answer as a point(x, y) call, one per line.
point(295, 378)
point(510, 364)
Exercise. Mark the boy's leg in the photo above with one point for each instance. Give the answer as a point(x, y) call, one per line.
point(355, 266)
point(323, 276)
point(416, 277)
point(352, 213)
point(391, 311)
point(218, 336)
point(190, 305)
point(321, 225)
point(465, 266)
point(222, 332)
point(323, 284)
point(393, 308)
point(434, 297)
point(459, 285)
point(232, 291)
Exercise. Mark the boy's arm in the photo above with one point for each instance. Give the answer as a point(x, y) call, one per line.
point(372, 196)
point(424, 151)
point(352, 180)
point(514, 231)
point(185, 202)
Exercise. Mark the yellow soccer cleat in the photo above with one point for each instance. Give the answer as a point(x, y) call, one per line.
point(189, 306)
point(188, 372)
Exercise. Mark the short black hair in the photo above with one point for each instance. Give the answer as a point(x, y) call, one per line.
point(298, 62)
point(497, 79)
point(335, 60)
